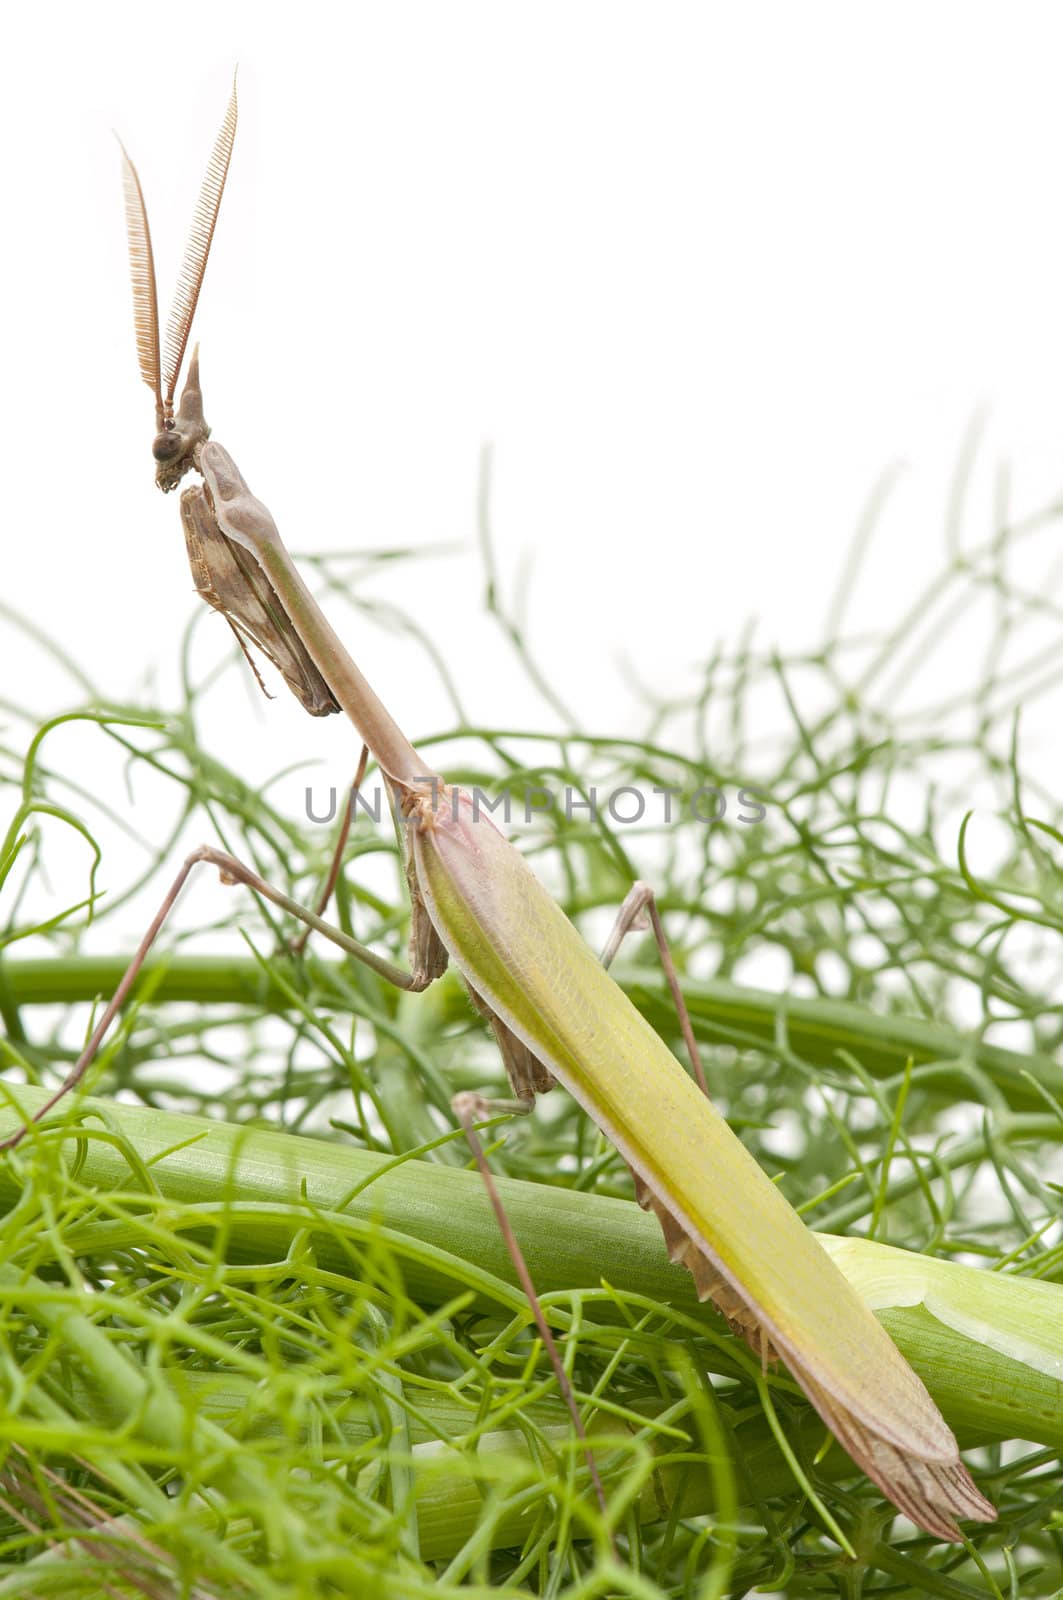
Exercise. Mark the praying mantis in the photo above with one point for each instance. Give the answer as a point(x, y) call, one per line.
point(554, 1010)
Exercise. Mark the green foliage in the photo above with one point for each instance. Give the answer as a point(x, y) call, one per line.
point(210, 1391)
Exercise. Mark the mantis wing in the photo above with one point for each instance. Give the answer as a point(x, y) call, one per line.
point(722, 1216)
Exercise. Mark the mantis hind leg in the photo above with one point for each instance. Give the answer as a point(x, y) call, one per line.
point(298, 945)
point(428, 959)
point(529, 1076)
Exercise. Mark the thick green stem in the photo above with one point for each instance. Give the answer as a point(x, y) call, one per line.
point(268, 1186)
point(721, 1012)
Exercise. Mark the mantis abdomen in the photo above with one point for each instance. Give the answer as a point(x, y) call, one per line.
point(722, 1216)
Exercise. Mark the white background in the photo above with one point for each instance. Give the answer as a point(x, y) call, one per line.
point(699, 273)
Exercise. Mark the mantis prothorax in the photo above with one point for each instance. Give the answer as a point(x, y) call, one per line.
point(556, 1013)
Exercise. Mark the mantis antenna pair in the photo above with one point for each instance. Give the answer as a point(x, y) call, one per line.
point(555, 1012)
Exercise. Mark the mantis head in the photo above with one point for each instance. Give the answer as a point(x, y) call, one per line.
point(176, 445)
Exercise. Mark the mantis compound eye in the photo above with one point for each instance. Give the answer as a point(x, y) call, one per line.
point(168, 445)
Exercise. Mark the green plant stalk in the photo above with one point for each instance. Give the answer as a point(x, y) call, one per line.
point(449, 1498)
point(126, 1395)
point(721, 1012)
point(989, 1346)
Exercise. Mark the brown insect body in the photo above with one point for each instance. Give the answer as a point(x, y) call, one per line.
point(224, 575)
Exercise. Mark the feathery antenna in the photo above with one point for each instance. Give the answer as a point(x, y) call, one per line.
point(142, 273)
point(197, 250)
